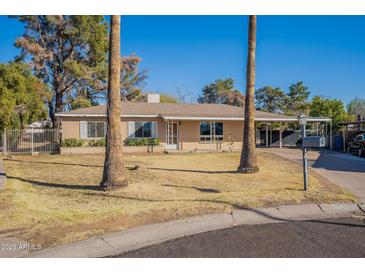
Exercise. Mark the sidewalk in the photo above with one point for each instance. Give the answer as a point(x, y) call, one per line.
point(116, 243)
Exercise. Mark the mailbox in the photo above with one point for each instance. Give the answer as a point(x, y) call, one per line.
point(314, 141)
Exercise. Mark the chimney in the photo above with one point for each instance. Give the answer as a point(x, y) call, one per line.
point(153, 98)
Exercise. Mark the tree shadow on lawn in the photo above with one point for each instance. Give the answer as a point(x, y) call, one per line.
point(201, 189)
point(52, 163)
point(234, 205)
point(196, 171)
point(55, 185)
point(130, 167)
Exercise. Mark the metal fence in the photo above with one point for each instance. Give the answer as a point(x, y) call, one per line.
point(30, 141)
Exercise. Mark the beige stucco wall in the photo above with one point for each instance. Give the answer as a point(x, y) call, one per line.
point(71, 126)
point(189, 136)
point(189, 132)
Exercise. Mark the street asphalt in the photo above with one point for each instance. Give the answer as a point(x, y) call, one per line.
point(341, 237)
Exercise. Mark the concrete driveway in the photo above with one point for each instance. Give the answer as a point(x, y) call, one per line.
point(345, 170)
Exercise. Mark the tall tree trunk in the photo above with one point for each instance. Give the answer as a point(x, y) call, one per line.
point(51, 112)
point(248, 162)
point(114, 174)
point(58, 108)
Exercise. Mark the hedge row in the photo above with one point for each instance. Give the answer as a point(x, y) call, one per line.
point(142, 142)
point(73, 142)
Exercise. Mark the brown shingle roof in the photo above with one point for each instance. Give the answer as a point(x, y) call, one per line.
point(166, 110)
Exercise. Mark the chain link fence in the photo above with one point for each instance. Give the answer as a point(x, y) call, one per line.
point(30, 141)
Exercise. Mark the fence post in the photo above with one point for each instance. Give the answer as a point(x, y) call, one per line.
point(4, 143)
point(32, 142)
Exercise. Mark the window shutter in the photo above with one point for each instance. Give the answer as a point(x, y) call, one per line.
point(83, 129)
point(154, 130)
point(131, 129)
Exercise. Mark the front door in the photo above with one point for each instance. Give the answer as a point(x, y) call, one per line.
point(172, 135)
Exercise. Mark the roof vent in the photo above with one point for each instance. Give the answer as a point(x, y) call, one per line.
point(153, 98)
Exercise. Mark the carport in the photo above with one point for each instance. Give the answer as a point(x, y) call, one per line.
point(286, 133)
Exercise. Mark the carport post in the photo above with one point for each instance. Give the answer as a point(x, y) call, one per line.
point(344, 138)
point(267, 134)
point(280, 136)
point(331, 134)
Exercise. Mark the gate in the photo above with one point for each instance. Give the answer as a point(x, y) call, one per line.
point(30, 141)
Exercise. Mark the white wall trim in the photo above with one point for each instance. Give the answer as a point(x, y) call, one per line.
point(242, 119)
point(194, 118)
point(202, 118)
point(104, 115)
point(140, 116)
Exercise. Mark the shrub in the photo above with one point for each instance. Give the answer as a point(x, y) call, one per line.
point(72, 142)
point(97, 143)
point(142, 142)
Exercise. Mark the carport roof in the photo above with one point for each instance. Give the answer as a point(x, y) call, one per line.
point(173, 111)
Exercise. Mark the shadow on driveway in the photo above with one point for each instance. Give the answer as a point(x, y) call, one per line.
point(339, 162)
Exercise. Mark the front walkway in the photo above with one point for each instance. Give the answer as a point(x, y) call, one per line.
point(345, 170)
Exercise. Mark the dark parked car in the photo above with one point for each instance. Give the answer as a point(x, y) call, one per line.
point(357, 145)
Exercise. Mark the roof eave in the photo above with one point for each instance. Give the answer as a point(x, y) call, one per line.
point(104, 115)
point(198, 118)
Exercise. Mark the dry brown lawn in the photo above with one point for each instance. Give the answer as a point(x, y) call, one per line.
point(54, 199)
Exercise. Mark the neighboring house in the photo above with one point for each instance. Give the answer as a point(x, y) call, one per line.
point(41, 124)
point(178, 126)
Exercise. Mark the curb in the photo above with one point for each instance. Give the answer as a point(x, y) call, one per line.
point(116, 243)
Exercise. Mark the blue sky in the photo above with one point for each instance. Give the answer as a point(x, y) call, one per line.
point(188, 52)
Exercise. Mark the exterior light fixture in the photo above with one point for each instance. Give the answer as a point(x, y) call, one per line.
point(302, 119)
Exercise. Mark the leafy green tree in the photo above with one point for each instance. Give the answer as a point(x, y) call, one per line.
point(270, 99)
point(332, 108)
point(221, 92)
point(67, 52)
point(165, 98)
point(296, 100)
point(357, 107)
point(132, 80)
point(80, 103)
point(22, 96)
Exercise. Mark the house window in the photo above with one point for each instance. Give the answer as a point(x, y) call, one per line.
point(142, 129)
point(95, 129)
point(92, 129)
point(210, 131)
